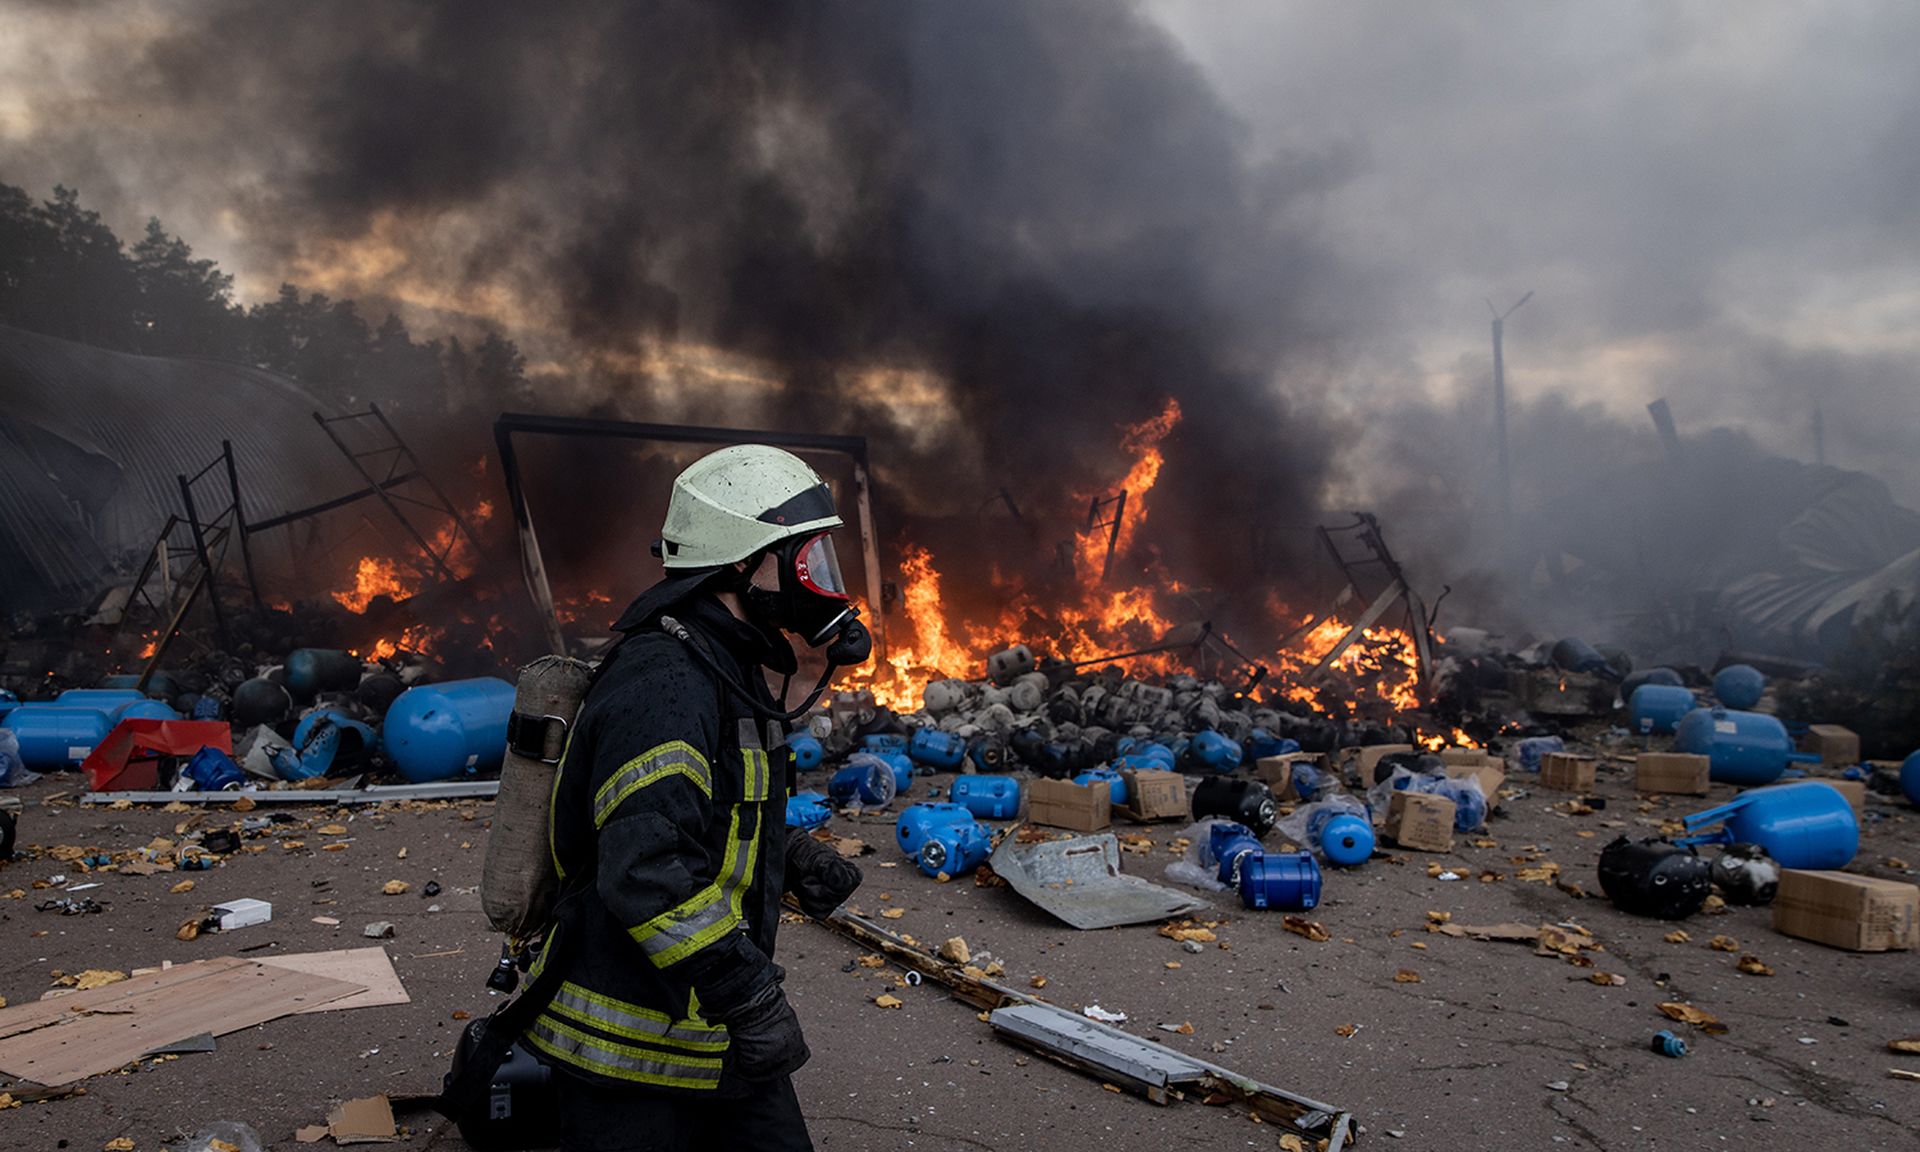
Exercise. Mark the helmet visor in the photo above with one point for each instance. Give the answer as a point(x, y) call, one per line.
point(817, 566)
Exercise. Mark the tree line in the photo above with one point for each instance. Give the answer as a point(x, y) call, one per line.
point(63, 272)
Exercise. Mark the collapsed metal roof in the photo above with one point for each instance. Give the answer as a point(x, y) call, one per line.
point(92, 443)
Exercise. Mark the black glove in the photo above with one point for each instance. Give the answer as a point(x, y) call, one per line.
point(819, 878)
point(739, 987)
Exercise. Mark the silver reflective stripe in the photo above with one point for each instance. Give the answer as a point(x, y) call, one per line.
point(710, 914)
point(676, 757)
point(610, 1015)
point(621, 1061)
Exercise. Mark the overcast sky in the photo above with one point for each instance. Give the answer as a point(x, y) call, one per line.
point(1715, 202)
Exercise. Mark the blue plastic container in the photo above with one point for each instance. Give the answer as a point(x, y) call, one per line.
point(105, 699)
point(1289, 881)
point(1910, 778)
point(56, 736)
point(212, 770)
point(1229, 842)
point(988, 797)
point(866, 780)
point(144, 709)
point(918, 821)
point(208, 708)
point(436, 731)
point(1214, 752)
point(1309, 782)
point(1261, 743)
point(1531, 750)
point(1658, 708)
point(807, 810)
point(956, 849)
point(883, 742)
point(1344, 838)
point(1469, 807)
point(902, 766)
point(355, 737)
point(1116, 783)
point(1146, 756)
point(8, 702)
point(1663, 676)
point(1807, 825)
point(1744, 748)
point(1739, 685)
point(937, 749)
point(807, 752)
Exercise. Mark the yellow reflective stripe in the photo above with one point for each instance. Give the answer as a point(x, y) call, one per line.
point(759, 773)
point(714, 911)
point(621, 1061)
point(634, 1022)
point(674, 758)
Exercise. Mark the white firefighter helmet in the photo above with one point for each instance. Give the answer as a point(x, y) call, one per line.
point(732, 503)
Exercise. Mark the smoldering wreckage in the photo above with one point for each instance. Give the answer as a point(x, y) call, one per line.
point(1050, 768)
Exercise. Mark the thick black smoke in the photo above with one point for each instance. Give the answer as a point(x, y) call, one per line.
point(1042, 206)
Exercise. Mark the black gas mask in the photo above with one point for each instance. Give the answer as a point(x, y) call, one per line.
point(798, 586)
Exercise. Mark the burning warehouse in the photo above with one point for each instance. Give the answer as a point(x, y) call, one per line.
point(623, 558)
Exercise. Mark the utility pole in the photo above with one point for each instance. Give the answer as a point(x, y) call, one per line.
point(1500, 417)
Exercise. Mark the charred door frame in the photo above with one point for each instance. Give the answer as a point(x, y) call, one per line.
point(853, 448)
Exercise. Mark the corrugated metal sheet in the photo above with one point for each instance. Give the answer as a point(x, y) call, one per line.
point(92, 443)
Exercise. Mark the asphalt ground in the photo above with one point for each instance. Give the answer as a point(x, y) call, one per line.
point(1492, 1047)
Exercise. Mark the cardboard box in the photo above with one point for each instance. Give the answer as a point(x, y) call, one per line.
point(1155, 795)
point(242, 914)
point(1421, 820)
point(1837, 747)
point(1361, 761)
point(1467, 757)
point(1490, 774)
point(1566, 772)
point(1064, 804)
point(1675, 772)
point(1856, 793)
point(1858, 913)
point(1276, 772)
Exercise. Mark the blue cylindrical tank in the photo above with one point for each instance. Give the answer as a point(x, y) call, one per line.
point(807, 810)
point(105, 699)
point(434, 731)
point(1215, 752)
point(1745, 748)
point(1530, 750)
point(1910, 778)
point(1262, 743)
point(988, 797)
point(1469, 806)
point(1739, 685)
point(310, 671)
point(1663, 675)
point(902, 766)
point(988, 753)
point(917, 822)
point(55, 736)
point(937, 749)
point(1309, 782)
point(1228, 842)
point(8, 701)
point(866, 780)
point(1807, 824)
point(1658, 707)
point(807, 752)
point(1116, 783)
point(883, 742)
point(208, 708)
point(1288, 880)
point(1146, 755)
point(1574, 654)
point(956, 849)
point(1344, 838)
point(144, 709)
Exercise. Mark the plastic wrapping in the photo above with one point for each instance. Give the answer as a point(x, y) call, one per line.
point(1529, 752)
point(1196, 866)
point(13, 770)
point(1308, 818)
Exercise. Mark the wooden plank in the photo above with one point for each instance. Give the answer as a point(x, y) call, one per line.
point(369, 967)
point(99, 1039)
point(53, 1008)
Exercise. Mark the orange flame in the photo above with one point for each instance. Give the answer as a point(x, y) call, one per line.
point(375, 576)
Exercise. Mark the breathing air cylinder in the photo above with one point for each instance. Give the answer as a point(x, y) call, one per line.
point(917, 822)
point(1227, 842)
point(517, 880)
point(1212, 751)
point(807, 752)
point(1288, 881)
point(1654, 878)
point(1744, 748)
point(1658, 707)
point(988, 797)
point(807, 810)
point(1807, 824)
point(1344, 838)
point(956, 849)
point(54, 736)
point(435, 731)
point(1248, 802)
point(937, 749)
point(1116, 783)
point(867, 780)
point(1739, 685)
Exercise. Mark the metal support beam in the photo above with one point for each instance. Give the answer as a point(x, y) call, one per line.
point(239, 527)
point(206, 561)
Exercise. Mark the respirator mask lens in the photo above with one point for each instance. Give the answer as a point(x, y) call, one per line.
point(800, 587)
point(817, 567)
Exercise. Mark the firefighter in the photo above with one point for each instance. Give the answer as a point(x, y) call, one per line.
point(668, 1027)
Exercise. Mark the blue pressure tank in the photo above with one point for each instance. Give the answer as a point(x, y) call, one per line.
point(1739, 685)
point(917, 822)
point(1807, 824)
point(1664, 676)
point(807, 810)
point(807, 752)
point(107, 700)
point(1116, 783)
point(883, 742)
point(937, 749)
point(988, 797)
point(956, 849)
point(988, 753)
point(1146, 755)
point(310, 671)
point(1469, 806)
point(1261, 743)
point(144, 709)
point(1228, 842)
point(435, 731)
point(1289, 880)
point(56, 736)
point(902, 766)
point(1344, 838)
point(1309, 782)
point(1910, 778)
point(212, 770)
point(1745, 748)
point(1215, 752)
point(866, 780)
point(1658, 707)
point(208, 708)
point(1531, 750)
point(8, 701)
